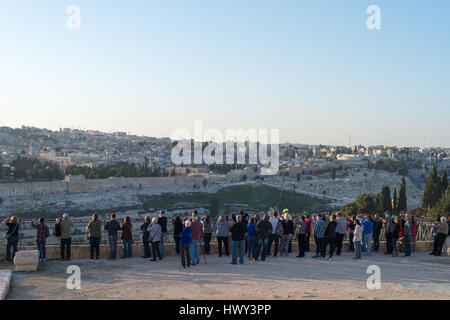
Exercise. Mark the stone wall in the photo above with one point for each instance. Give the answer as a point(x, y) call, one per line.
point(78, 184)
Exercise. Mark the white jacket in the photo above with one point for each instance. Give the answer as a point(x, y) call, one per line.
point(358, 233)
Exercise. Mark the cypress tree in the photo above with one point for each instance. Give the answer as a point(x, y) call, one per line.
point(432, 190)
point(444, 184)
point(402, 200)
point(384, 200)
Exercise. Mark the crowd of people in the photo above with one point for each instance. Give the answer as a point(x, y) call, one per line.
point(251, 236)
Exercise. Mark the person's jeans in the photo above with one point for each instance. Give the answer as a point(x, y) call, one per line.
point(264, 242)
point(177, 243)
point(251, 245)
point(11, 242)
point(156, 250)
point(41, 248)
point(285, 239)
point(193, 250)
point(95, 245)
point(320, 246)
point(235, 246)
point(112, 239)
point(367, 243)
point(127, 250)
point(394, 245)
point(207, 239)
point(185, 256)
point(358, 249)
point(223, 240)
point(301, 244)
point(161, 244)
point(439, 243)
point(407, 241)
point(339, 240)
point(273, 238)
point(376, 242)
point(331, 241)
point(146, 245)
point(65, 247)
point(351, 244)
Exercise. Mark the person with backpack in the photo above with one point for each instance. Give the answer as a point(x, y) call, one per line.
point(112, 226)
point(127, 237)
point(288, 232)
point(12, 237)
point(94, 230)
point(263, 231)
point(277, 232)
point(66, 236)
point(40, 236)
point(301, 236)
point(330, 237)
point(155, 238)
point(185, 242)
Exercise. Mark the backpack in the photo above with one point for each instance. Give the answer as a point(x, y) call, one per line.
point(279, 230)
point(57, 230)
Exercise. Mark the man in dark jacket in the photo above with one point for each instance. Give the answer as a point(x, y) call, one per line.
point(330, 237)
point(112, 226)
point(376, 231)
point(263, 231)
point(145, 237)
point(237, 234)
point(162, 221)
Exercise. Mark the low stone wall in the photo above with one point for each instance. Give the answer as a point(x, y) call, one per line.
point(82, 251)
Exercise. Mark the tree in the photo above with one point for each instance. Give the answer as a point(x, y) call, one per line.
point(384, 202)
point(444, 184)
point(402, 200)
point(366, 203)
point(349, 209)
point(432, 190)
point(395, 202)
point(443, 206)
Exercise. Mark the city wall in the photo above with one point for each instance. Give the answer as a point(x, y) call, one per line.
point(78, 184)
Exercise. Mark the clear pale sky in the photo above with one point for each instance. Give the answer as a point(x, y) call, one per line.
point(310, 68)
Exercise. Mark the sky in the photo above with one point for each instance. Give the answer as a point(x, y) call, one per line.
point(311, 69)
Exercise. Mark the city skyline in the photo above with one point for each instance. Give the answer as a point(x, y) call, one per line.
point(312, 70)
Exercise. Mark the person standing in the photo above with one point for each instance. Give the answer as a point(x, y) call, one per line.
point(197, 234)
point(222, 232)
point(308, 231)
point(263, 231)
point(162, 221)
point(155, 234)
point(274, 237)
point(288, 232)
point(357, 239)
point(66, 236)
point(251, 238)
point(145, 235)
point(351, 233)
point(112, 226)
point(301, 236)
point(388, 232)
point(441, 235)
point(177, 229)
point(367, 234)
point(94, 230)
point(396, 226)
point(376, 231)
point(330, 237)
point(237, 234)
point(319, 231)
point(413, 234)
point(340, 232)
point(407, 235)
point(126, 237)
point(40, 236)
point(185, 242)
point(207, 233)
point(12, 237)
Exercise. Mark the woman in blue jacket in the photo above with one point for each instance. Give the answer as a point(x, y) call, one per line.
point(185, 242)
